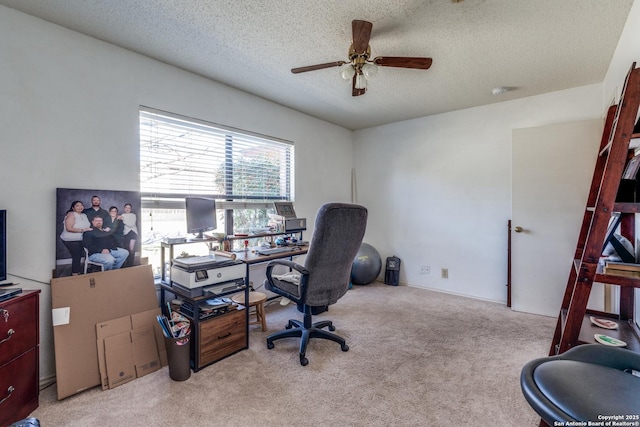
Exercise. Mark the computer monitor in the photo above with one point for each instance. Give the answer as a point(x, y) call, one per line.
point(201, 215)
point(285, 209)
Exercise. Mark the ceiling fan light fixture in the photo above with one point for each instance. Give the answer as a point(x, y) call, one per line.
point(369, 70)
point(500, 90)
point(347, 72)
point(359, 68)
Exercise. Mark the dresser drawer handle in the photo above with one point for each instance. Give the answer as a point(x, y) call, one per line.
point(224, 336)
point(10, 333)
point(9, 391)
point(5, 314)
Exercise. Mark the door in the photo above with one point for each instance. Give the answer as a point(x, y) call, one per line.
point(552, 168)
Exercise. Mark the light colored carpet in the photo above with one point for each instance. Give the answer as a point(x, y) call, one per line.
point(416, 358)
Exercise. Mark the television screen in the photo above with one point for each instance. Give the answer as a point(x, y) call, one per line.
point(3, 245)
point(201, 215)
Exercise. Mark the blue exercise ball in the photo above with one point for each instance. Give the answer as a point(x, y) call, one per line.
point(366, 265)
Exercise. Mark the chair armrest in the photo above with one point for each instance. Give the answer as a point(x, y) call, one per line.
point(286, 263)
point(294, 292)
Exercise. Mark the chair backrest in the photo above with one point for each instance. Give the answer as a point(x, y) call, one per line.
point(337, 236)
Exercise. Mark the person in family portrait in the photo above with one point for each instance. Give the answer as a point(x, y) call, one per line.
point(102, 246)
point(74, 224)
point(114, 224)
point(130, 232)
point(96, 209)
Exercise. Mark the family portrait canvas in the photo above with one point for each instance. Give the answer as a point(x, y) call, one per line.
point(96, 230)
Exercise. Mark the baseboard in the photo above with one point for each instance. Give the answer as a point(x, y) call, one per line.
point(442, 291)
point(47, 381)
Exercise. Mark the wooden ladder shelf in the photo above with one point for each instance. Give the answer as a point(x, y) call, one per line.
point(573, 326)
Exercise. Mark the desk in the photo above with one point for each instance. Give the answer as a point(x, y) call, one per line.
point(219, 337)
point(250, 258)
point(247, 257)
point(165, 263)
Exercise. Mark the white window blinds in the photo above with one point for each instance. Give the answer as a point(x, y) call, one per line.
point(181, 156)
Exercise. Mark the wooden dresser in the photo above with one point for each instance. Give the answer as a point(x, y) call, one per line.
point(19, 356)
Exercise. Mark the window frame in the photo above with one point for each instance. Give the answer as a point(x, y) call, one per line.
point(227, 202)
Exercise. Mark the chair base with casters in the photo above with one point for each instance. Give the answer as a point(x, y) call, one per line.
point(306, 330)
point(585, 383)
point(324, 277)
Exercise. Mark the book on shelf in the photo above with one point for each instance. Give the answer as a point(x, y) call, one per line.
point(631, 170)
point(627, 269)
point(626, 266)
point(625, 273)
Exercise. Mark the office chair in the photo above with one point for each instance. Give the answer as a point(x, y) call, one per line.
point(88, 262)
point(584, 384)
point(324, 278)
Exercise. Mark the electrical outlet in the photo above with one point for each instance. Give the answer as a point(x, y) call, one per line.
point(445, 273)
point(425, 269)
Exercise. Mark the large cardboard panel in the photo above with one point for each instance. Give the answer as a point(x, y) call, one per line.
point(145, 351)
point(119, 359)
point(90, 299)
point(149, 319)
point(144, 347)
point(104, 330)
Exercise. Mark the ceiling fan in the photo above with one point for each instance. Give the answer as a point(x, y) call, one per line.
point(360, 67)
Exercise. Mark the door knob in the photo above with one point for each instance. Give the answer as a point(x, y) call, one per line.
point(518, 229)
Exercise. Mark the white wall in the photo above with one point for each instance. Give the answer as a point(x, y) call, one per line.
point(627, 52)
point(69, 118)
point(439, 188)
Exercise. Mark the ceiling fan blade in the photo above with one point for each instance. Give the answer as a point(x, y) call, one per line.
point(354, 90)
point(317, 67)
point(403, 62)
point(361, 34)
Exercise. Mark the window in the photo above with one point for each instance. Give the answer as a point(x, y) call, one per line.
point(181, 156)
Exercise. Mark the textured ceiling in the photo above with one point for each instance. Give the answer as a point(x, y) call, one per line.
point(531, 47)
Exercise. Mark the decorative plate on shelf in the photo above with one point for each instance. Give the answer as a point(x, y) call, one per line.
point(611, 341)
point(603, 323)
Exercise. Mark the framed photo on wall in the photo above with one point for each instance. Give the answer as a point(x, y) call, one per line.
point(119, 224)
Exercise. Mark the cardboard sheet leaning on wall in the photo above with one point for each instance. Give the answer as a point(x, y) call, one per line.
point(130, 347)
point(78, 304)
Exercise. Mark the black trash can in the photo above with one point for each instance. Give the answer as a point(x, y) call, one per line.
point(392, 272)
point(178, 355)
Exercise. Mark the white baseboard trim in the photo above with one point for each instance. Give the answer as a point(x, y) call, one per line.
point(47, 381)
point(456, 294)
